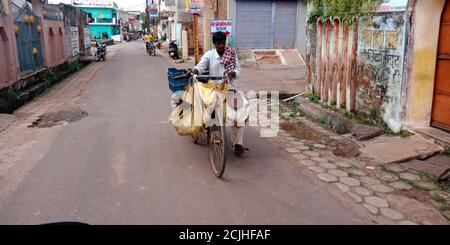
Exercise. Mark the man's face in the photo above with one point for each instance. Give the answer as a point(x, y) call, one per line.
point(220, 47)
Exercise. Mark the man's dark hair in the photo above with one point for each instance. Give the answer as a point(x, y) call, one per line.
point(219, 37)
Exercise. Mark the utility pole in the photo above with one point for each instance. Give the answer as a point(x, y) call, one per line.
point(154, 32)
point(147, 15)
point(196, 47)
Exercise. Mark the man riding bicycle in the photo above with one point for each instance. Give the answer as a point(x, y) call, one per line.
point(223, 61)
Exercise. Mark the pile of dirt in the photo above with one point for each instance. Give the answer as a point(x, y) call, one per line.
point(53, 119)
point(342, 148)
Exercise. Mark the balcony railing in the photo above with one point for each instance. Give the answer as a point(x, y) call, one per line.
point(110, 21)
point(104, 20)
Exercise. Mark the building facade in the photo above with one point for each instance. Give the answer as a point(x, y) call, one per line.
point(35, 36)
point(167, 26)
point(103, 18)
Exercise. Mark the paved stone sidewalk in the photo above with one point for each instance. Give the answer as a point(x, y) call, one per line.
point(389, 192)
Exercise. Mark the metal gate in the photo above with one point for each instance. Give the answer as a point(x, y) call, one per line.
point(441, 105)
point(285, 24)
point(254, 24)
point(28, 38)
point(266, 24)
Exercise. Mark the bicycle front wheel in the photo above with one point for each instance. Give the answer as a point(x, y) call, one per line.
point(218, 149)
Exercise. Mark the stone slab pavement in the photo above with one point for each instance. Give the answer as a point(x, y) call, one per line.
point(387, 193)
point(388, 149)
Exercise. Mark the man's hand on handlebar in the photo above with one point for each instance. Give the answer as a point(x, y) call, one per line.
point(195, 71)
point(232, 74)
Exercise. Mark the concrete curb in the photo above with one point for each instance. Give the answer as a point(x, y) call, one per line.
point(335, 121)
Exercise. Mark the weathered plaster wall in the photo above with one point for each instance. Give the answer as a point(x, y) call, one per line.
point(381, 52)
point(425, 38)
point(360, 67)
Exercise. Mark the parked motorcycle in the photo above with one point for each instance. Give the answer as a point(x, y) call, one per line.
point(173, 50)
point(100, 53)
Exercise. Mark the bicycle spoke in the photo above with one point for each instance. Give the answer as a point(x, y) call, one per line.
point(217, 150)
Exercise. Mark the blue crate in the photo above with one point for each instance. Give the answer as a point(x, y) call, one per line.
point(176, 85)
point(174, 72)
point(179, 84)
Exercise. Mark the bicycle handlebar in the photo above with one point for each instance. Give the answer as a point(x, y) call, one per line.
point(187, 75)
point(210, 77)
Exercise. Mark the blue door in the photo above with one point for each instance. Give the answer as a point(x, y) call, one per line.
point(28, 39)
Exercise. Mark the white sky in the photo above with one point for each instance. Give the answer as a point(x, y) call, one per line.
point(126, 4)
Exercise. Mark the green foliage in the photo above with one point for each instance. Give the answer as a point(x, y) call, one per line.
point(49, 76)
point(8, 97)
point(438, 198)
point(403, 133)
point(415, 185)
point(425, 175)
point(313, 97)
point(9, 94)
point(323, 120)
point(349, 115)
point(310, 147)
point(444, 207)
point(329, 107)
point(73, 67)
point(346, 10)
point(385, 169)
point(295, 109)
point(447, 151)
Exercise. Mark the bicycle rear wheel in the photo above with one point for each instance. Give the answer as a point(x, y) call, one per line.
point(218, 149)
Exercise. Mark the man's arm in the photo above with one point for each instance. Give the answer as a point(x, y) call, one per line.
point(203, 65)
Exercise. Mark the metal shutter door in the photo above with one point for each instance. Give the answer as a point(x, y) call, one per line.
point(285, 23)
point(253, 24)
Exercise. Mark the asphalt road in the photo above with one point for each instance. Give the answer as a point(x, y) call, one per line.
point(121, 165)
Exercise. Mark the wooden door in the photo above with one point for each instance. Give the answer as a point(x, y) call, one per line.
point(441, 106)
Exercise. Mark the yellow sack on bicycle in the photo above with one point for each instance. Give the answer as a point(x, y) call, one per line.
point(213, 96)
point(187, 117)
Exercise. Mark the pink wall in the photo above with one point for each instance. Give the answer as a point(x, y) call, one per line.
point(53, 38)
point(9, 65)
point(335, 63)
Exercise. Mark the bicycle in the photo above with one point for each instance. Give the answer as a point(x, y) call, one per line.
point(216, 133)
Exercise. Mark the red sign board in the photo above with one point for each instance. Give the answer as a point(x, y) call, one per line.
point(225, 26)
